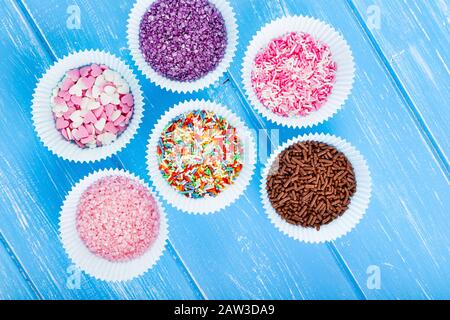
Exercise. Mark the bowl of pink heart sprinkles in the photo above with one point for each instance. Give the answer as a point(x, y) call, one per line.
point(87, 106)
point(298, 71)
point(182, 45)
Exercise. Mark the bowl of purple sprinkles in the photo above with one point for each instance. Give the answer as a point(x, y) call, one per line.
point(182, 45)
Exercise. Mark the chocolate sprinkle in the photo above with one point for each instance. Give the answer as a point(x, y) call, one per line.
point(310, 184)
point(183, 40)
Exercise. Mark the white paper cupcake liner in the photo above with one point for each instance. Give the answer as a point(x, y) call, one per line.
point(226, 196)
point(134, 21)
point(341, 54)
point(92, 264)
point(358, 204)
point(42, 115)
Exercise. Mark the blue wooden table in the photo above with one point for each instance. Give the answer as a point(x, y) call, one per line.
point(397, 116)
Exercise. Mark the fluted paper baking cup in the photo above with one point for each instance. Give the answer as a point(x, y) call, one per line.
point(97, 266)
point(231, 192)
point(42, 115)
point(358, 204)
point(341, 54)
point(134, 21)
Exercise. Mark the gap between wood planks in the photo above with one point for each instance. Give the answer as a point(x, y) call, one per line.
point(438, 154)
point(28, 17)
point(20, 267)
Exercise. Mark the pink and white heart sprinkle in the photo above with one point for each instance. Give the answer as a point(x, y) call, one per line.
point(294, 74)
point(92, 105)
point(117, 218)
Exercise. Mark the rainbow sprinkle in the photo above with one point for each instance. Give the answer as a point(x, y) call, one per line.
point(199, 154)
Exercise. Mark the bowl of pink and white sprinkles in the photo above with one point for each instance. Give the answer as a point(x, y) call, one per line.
point(298, 71)
point(87, 106)
point(112, 226)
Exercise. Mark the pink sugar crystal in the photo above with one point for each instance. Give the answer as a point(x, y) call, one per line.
point(117, 218)
point(293, 75)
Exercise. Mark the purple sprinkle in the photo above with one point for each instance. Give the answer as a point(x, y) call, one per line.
point(183, 40)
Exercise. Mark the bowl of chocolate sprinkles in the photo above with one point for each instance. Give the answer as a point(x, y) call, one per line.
point(182, 45)
point(316, 188)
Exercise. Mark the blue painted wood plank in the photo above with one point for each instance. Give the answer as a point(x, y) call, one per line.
point(405, 232)
point(233, 254)
point(34, 182)
point(414, 37)
point(13, 284)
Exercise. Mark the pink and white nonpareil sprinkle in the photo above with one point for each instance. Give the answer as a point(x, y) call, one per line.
point(92, 105)
point(117, 218)
point(294, 74)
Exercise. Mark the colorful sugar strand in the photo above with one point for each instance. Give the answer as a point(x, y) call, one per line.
point(294, 75)
point(199, 154)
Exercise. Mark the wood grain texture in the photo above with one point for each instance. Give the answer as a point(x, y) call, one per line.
point(236, 253)
point(34, 183)
point(414, 37)
point(233, 254)
point(13, 285)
